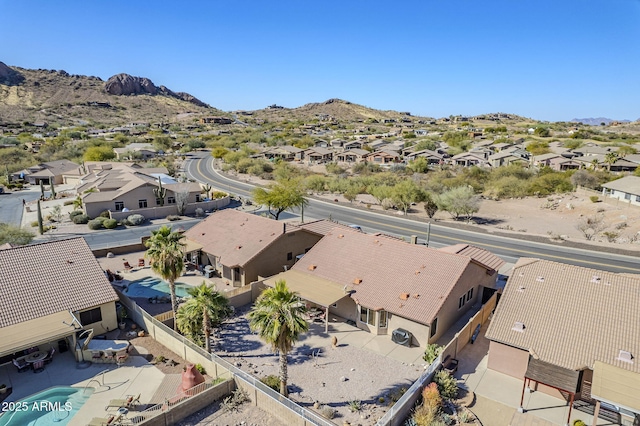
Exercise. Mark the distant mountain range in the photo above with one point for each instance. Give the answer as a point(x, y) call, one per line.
point(597, 121)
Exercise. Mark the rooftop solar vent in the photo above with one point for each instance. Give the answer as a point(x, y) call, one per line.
point(521, 288)
point(518, 326)
point(625, 356)
point(540, 279)
point(595, 279)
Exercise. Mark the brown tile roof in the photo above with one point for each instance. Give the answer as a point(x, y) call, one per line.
point(380, 270)
point(46, 278)
point(319, 227)
point(477, 254)
point(572, 316)
point(236, 237)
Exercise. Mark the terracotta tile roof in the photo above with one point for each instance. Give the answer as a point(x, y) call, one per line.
point(320, 227)
point(236, 237)
point(380, 270)
point(477, 254)
point(46, 278)
point(572, 316)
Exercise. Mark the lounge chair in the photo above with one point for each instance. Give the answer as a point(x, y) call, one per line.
point(49, 356)
point(21, 365)
point(127, 267)
point(38, 366)
point(121, 357)
point(130, 402)
point(104, 421)
point(141, 263)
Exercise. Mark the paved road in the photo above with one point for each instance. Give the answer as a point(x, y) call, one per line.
point(200, 167)
point(11, 205)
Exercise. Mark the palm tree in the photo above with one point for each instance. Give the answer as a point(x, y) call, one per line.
point(278, 317)
point(610, 158)
point(206, 309)
point(166, 255)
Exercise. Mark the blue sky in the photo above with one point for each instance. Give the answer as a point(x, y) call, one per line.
point(545, 59)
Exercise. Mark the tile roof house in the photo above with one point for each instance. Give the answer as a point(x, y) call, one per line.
point(570, 328)
point(143, 151)
point(44, 287)
point(624, 189)
point(384, 283)
point(318, 154)
point(242, 246)
point(123, 189)
point(53, 171)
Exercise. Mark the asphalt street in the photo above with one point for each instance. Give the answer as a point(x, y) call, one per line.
point(201, 168)
point(11, 204)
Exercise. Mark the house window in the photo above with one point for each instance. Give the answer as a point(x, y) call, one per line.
point(637, 198)
point(470, 294)
point(461, 301)
point(367, 316)
point(119, 206)
point(91, 316)
point(198, 198)
point(289, 256)
point(433, 328)
point(142, 204)
point(627, 196)
point(171, 200)
point(158, 201)
point(383, 319)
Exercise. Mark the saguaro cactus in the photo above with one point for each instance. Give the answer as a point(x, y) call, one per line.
point(207, 188)
point(40, 226)
point(41, 190)
point(160, 192)
point(53, 191)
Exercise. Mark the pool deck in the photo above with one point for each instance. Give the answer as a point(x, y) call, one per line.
point(137, 376)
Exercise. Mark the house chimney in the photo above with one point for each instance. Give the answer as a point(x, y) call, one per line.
point(414, 239)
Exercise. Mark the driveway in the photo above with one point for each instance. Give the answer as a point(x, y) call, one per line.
point(11, 208)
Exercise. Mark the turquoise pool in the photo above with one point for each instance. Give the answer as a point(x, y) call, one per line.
point(154, 287)
point(53, 406)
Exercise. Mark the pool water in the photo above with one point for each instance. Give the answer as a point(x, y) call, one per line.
point(154, 287)
point(53, 406)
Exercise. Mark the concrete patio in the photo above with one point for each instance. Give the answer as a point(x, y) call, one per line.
point(498, 395)
point(137, 376)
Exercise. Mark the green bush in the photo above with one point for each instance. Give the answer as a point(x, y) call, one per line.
point(34, 223)
point(432, 352)
point(447, 385)
point(81, 219)
point(173, 217)
point(218, 194)
point(579, 423)
point(135, 219)
point(110, 223)
point(594, 198)
point(75, 213)
point(328, 412)
point(105, 214)
point(201, 369)
point(95, 224)
point(272, 381)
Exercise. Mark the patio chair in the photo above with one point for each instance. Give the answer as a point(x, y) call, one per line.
point(96, 356)
point(21, 365)
point(121, 357)
point(49, 356)
point(105, 421)
point(141, 263)
point(127, 267)
point(38, 366)
point(130, 402)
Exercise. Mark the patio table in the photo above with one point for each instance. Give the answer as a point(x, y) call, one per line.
point(36, 356)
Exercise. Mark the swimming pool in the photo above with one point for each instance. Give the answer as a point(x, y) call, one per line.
point(53, 406)
point(154, 287)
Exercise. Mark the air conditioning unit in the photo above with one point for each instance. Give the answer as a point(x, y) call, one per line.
point(401, 337)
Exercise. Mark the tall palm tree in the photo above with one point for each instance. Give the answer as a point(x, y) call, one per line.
point(278, 317)
point(610, 158)
point(166, 255)
point(206, 308)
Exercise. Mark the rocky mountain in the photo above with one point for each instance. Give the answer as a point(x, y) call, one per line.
point(597, 121)
point(66, 99)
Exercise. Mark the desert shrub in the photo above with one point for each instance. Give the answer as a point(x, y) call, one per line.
point(68, 203)
point(272, 381)
point(34, 224)
point(218, 194)
point(105, 214)
point(432, 352)
point(387, 204)
point(201, 369)
point(158, 359)
point(199, 212)
point(95, 224)
point(594, 198)
point(611, 236)
point(465, 416)
point(396, 394)
point(75, 213)
point(110, 223)
point(334, 169)
point(235, 400)
point(579, 423)
point(446, 385)
point(173, 217)
point(328, 412)
point(135, 219)
point(423, 416)
point(81, 219)
point(355, 405)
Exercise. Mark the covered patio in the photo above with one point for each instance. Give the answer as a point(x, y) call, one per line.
point(318, 291)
